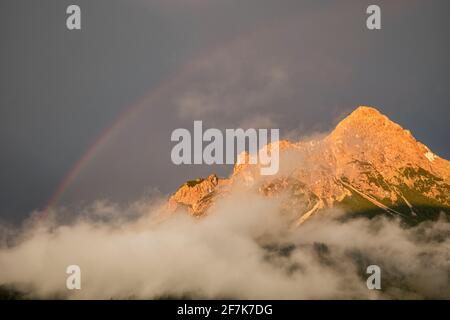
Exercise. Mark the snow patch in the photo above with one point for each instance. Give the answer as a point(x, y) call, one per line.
point(430, 156)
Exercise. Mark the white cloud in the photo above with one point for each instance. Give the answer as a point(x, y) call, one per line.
point(236, 252)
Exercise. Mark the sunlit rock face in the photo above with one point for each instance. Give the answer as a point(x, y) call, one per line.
point(368, 164)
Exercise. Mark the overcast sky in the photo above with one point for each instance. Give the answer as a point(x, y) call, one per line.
point(294, 65)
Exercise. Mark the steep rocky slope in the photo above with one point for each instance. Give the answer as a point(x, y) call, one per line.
point(367, 165)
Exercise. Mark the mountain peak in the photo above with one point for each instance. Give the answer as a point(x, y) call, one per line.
point(370, 136)
point(365, 114)
point(366, 110)
point(367, 121)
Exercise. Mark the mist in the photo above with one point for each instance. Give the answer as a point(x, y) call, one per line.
point(244, 248)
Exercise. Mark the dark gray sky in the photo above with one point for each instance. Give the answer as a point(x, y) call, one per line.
point(295, 65)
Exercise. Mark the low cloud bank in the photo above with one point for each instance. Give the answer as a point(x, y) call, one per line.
point(243, 249)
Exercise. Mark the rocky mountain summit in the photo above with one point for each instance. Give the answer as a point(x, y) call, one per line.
point(367, 165)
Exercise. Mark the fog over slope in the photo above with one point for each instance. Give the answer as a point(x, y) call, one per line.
point(243, 249)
